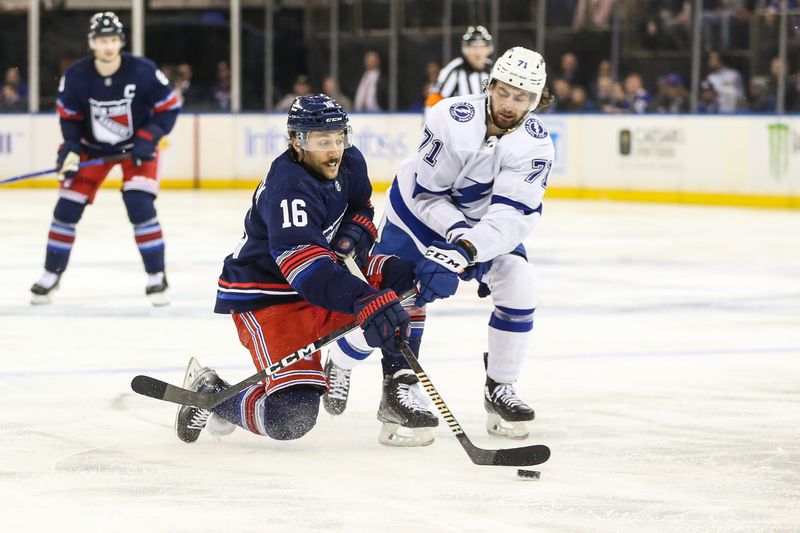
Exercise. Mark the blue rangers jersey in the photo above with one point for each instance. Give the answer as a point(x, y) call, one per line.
point(104, 113)
point(285, 255)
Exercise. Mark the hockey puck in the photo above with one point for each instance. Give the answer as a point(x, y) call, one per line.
point(528, 474)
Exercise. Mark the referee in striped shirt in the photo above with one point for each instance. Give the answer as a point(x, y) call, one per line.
point(465, 74)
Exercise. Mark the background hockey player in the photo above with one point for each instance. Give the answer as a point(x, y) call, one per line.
point(284, 286)
point(468, 73)
point(467, 200)
point(110, 102)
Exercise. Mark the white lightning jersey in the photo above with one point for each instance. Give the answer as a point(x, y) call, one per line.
point(461, 185)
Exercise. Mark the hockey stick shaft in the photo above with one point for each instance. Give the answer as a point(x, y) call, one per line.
point(524, 456)
point(90, 163)
point(161, 390)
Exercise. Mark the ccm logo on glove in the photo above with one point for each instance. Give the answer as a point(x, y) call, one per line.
point(452, 260)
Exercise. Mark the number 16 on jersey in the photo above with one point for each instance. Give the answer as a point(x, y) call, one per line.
point(293, 213)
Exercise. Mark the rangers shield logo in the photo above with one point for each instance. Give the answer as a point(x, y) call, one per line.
point(112, 122)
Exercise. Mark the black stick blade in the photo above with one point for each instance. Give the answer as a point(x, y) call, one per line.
point(525, 456)
point(147, 386)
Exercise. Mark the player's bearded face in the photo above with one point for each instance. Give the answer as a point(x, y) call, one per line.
point(509, 104)
point(106, 48)
point(323, 152)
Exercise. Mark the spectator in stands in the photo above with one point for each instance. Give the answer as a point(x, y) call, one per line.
point(667, 25)
point(370, 93)
point(603, 71)
point(707, 101)
point(432, 70)
point(301, 87)
point(761, 97)
point(579, 100)
point(672, 97)
point(10, 100)
point(560, 13)
point(795, 107)
point(593, 14)
point(606, 99)
point(221, 91)
point(562, 91)
point(13, 77)
point(775, 76)
point(193, 95)
point(718, 17)
point(727, 83)
point(569, 68)
point(637, 99)
point(331, 87)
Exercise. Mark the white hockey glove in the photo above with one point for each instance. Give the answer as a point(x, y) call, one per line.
point(69, 168)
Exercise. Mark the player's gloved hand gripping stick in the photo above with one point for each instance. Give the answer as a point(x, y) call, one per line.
point(523, 456)
point(90, 163)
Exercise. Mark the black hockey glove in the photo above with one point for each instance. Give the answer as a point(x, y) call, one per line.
point(356, 234)
point(380, 315)
point(145, 143)
point(67, 160)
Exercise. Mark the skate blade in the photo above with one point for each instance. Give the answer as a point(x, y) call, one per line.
point(218, 427)
point(158, 299)
point(399, 436)
point(497, 427)
point(41, 299)
point(191, 371)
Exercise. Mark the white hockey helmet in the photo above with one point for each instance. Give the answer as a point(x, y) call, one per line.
point(522, 68)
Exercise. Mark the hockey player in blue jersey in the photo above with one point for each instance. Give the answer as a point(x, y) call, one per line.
point(476, 182)
point(283, 285)
point(110, 102)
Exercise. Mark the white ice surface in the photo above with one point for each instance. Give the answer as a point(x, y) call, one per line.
point(664, 374)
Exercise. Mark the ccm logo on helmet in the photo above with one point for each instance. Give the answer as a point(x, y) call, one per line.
point(333, 119)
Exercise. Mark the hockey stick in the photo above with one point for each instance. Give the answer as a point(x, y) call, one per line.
point(161, 390)
point(523, 456)
point(90, 163)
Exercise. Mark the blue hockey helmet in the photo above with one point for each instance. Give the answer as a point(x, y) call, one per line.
point(317, 112)
point(105, 23)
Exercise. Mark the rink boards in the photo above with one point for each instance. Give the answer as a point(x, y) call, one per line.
point(735, 160)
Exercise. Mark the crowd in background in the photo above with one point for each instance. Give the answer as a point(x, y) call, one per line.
point(579, 72)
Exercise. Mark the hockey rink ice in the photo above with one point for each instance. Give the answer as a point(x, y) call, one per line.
point(664, 371)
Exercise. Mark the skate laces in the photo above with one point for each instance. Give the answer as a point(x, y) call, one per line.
point(505, 393)
point(199, 419)
point(339, 382)
point(408, 396)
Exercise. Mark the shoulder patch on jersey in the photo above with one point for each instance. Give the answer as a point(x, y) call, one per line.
point(160, 76)
point(535, 127)
point(462, 111)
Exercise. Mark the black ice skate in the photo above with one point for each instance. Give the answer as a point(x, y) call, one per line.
point(406, 418)
point(156, 289)
point(41, 290)
point(507, 414)
point(335, 401)
point(190, 421)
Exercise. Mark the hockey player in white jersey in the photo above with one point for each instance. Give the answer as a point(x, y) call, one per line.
point(467, 200)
